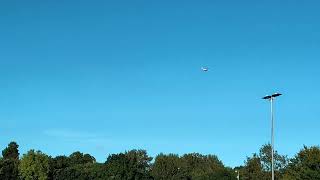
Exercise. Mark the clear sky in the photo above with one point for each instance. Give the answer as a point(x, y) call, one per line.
point(108, 76)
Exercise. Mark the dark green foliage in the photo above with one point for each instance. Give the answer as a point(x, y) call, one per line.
point(221, 174)
point(57, 164)
point(11, 152)
point(198, 165)
point(76, 166)
point(305, 165)
point(82, 172)
point(168, 167)
point(259, 166)
point(136, 165)
point(190, 166)
point(9, 163)
point(131, 165)
point(9, 169)
point(80, 158)
point(280, 161)
point(253, 169)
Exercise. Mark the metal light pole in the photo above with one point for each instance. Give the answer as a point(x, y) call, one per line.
point(271, 99)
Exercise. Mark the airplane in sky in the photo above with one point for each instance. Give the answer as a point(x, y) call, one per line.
point(205, 69)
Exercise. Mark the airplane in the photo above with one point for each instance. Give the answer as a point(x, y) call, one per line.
point(205, 69)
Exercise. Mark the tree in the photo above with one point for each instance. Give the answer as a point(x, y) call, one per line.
point(80, 158)
point(9, 169)
point(221, 174)
point(131, 165)
point(280, 161)
point(11, 152)
point(94, 171)
point(199, 166)
point(190, 166)
point(77, 166)
point(253, 169)
point(259, 165)
point(34, 166)
point(59, 162)
point(305, 165)
point(10, 162)
point(56, 165)
point(168, 167)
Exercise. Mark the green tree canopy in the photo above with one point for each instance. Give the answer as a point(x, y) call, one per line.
point(280, 161)
point(34, 166)
point(80, 158)
point(10, 162)
point(168, 167)
point(9, 169)
point(305, 165)
point(95, 171)
point(253, 169)
point(131, 165)
point(11, 152)
point(136, 165)
point(190, 166)
point(57, 164)
point(198, 165)
point(259, 165)
point(77, 166)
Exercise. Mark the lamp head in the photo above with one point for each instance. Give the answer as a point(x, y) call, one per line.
point(271, 96)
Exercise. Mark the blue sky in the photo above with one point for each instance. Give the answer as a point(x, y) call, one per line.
point(108, 76)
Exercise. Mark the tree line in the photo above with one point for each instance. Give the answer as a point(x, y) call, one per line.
point(138, 165)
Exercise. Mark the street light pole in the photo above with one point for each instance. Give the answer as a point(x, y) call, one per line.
point(271, 99)
point(272, 138)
